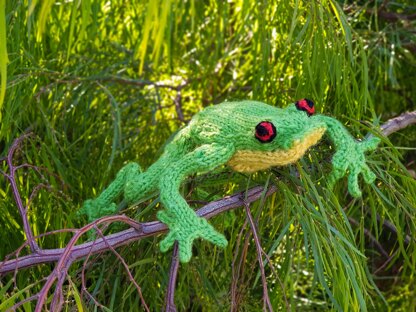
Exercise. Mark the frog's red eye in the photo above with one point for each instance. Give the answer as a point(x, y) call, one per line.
point(306, 105)
point(265, 132)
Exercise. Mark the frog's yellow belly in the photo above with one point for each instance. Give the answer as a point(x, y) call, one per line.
point(252, 161)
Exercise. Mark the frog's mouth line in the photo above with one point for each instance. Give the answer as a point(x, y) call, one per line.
point(252, 161)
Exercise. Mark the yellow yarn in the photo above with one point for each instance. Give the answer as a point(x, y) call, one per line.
point(252, 161)
point(248, 136)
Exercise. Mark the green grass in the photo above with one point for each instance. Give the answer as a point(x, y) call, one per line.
point(77, 76)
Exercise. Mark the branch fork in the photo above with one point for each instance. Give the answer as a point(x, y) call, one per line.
point(65, 257)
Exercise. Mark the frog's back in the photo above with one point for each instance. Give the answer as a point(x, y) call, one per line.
point(246, 110)
point(229, 121)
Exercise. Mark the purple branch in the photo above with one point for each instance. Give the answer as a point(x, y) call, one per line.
point(259, 250)
point(20, 303)
point(84, 284)
point(16, 194)
point(66, 259)
point(137, 232)
point(170, 293)
point(395, 124)
point(71, 253)
point(238, 270)
point(126, 267)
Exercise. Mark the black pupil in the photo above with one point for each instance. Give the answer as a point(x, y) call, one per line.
point(262, 130)
point(265, 132)
point(310, 103)
point(306, 105)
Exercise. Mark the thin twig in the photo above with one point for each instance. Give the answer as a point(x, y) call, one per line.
point(390, 226)
point(137, 232)
point(16, 193)
point(397, 123)
point(259, 249)
point(84, 284)
point(65, 261)
point(71, 253)
point(370, 237)
point(386, 262)
point(178, 106)
point(278, 279)
point(35, 192)
point(126, 267)
point(236, 271)
point(170, 293)
point(20, 303)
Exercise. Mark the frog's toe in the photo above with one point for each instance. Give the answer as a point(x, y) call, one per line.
point(217, 239)
point(184, 241)
point(353, 186)
point(168, 241)
point(369, 176)
point(370, 145)
point(210, 234)
point(334, 176)
point(165, 217)
point(89, 209)
point(185, 251)
point(95, 209)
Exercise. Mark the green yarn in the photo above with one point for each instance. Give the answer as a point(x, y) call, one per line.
point(103, 205)
point(349, 156)
point(248, 136)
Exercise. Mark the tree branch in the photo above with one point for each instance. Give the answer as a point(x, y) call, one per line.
point(64, 257)
point(259, 249)
point(170, 293)
point(130, 235)
point(152, 228)
point(16, 193)
point(398, 123)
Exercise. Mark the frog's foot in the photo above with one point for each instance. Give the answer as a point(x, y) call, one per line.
point(96, 208)
point(352, 159)
point(185, 231)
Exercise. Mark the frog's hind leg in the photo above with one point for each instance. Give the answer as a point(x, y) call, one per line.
point(139, 186)
point(104, 204)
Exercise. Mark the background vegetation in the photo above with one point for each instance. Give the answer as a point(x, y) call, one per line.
point(101, 83)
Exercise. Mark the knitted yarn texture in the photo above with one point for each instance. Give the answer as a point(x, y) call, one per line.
point(248, 136)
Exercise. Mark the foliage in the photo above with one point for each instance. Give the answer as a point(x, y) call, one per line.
point(101, 83)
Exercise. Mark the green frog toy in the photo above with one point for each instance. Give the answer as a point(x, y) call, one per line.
point(247, 136)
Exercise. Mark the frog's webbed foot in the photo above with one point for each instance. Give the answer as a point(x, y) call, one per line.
point(185, 230)
point(96, 208)
point(351, 158)
point(103, 205)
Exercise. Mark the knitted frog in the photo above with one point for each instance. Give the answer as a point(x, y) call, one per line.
point(247, 136)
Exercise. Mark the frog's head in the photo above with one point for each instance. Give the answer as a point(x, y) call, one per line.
point(282, 137)
point(289, 127)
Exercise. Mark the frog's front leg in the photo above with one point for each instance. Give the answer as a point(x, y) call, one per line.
point(349, 156)
point(183, 223)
